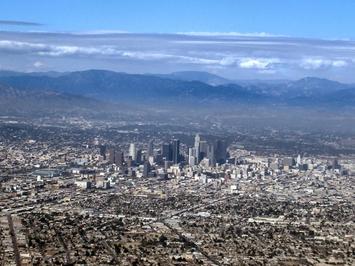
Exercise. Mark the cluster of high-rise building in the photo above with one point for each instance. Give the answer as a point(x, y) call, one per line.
point(206, 153)
point(170, 152)
point(202, 152)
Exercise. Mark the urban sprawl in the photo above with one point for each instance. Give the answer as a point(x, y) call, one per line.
point(165, 202)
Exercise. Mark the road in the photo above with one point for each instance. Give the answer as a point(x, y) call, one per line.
point(14, 240)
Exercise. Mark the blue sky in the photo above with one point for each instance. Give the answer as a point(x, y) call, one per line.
point(284, 39)
point(300, 18)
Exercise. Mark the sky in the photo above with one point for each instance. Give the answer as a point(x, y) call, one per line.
point(254, 39)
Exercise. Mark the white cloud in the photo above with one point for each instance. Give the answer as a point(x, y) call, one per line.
point(99, 32)
point(267, 71)
point(228, 61)
point(38, 64)
point(318, 63)
point(339, 63)
point(230, 54)
point(145, 55)
point(20, 46)
point(232, 33)
point(238, 42)
point(77, 50)
point(198, 60)
point(258, 63)
point(56, 50)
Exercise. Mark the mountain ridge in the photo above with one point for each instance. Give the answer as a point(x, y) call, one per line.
point(15, 101)
point(104, 85)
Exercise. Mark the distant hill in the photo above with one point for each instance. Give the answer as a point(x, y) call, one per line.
point(113, 86)
point(180, 88)
point(16, 101)
point(313, 87)
point(204, 77)
point(7, 73)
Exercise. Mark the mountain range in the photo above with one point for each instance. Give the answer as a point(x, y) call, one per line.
point(204, 77)
point(17, 101)
point(85, 89)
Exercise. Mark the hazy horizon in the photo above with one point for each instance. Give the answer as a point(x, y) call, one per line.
point(233, 57)
point(155, 37)
point(35, 71)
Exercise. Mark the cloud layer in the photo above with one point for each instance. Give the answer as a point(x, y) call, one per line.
point(236, 56)
point(19, 23)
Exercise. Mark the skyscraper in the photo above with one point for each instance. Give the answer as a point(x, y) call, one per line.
point(211, 155)
point(197, 148)
point(139, 156)
point(165, 151)
point(299, 160)
point(103, 149)
point(146, 169)
point(176, 151)
point(132, 151)
point(220, 151)
point(192, 158)
point(116, 157)
point(150, 149)
point(203, 149)
point(111, 155)
point(119, 158)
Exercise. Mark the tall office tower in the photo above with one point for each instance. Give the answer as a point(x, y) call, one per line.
point(211, 155)
point(116, 157)
point(129, 162)
point(139, 156)
point(197, 140)
point(103, 149)
point(132, 151)
point(176, 151)
point(203, 149)
point(111, 156)
point(119, 158)
point(171, 152)
point(165, 151)
point(150, 150)
point(221, 151)
point(151, 159)
point(192, 158)
point(146, 169)
point(299, 160)
point(197, 148)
